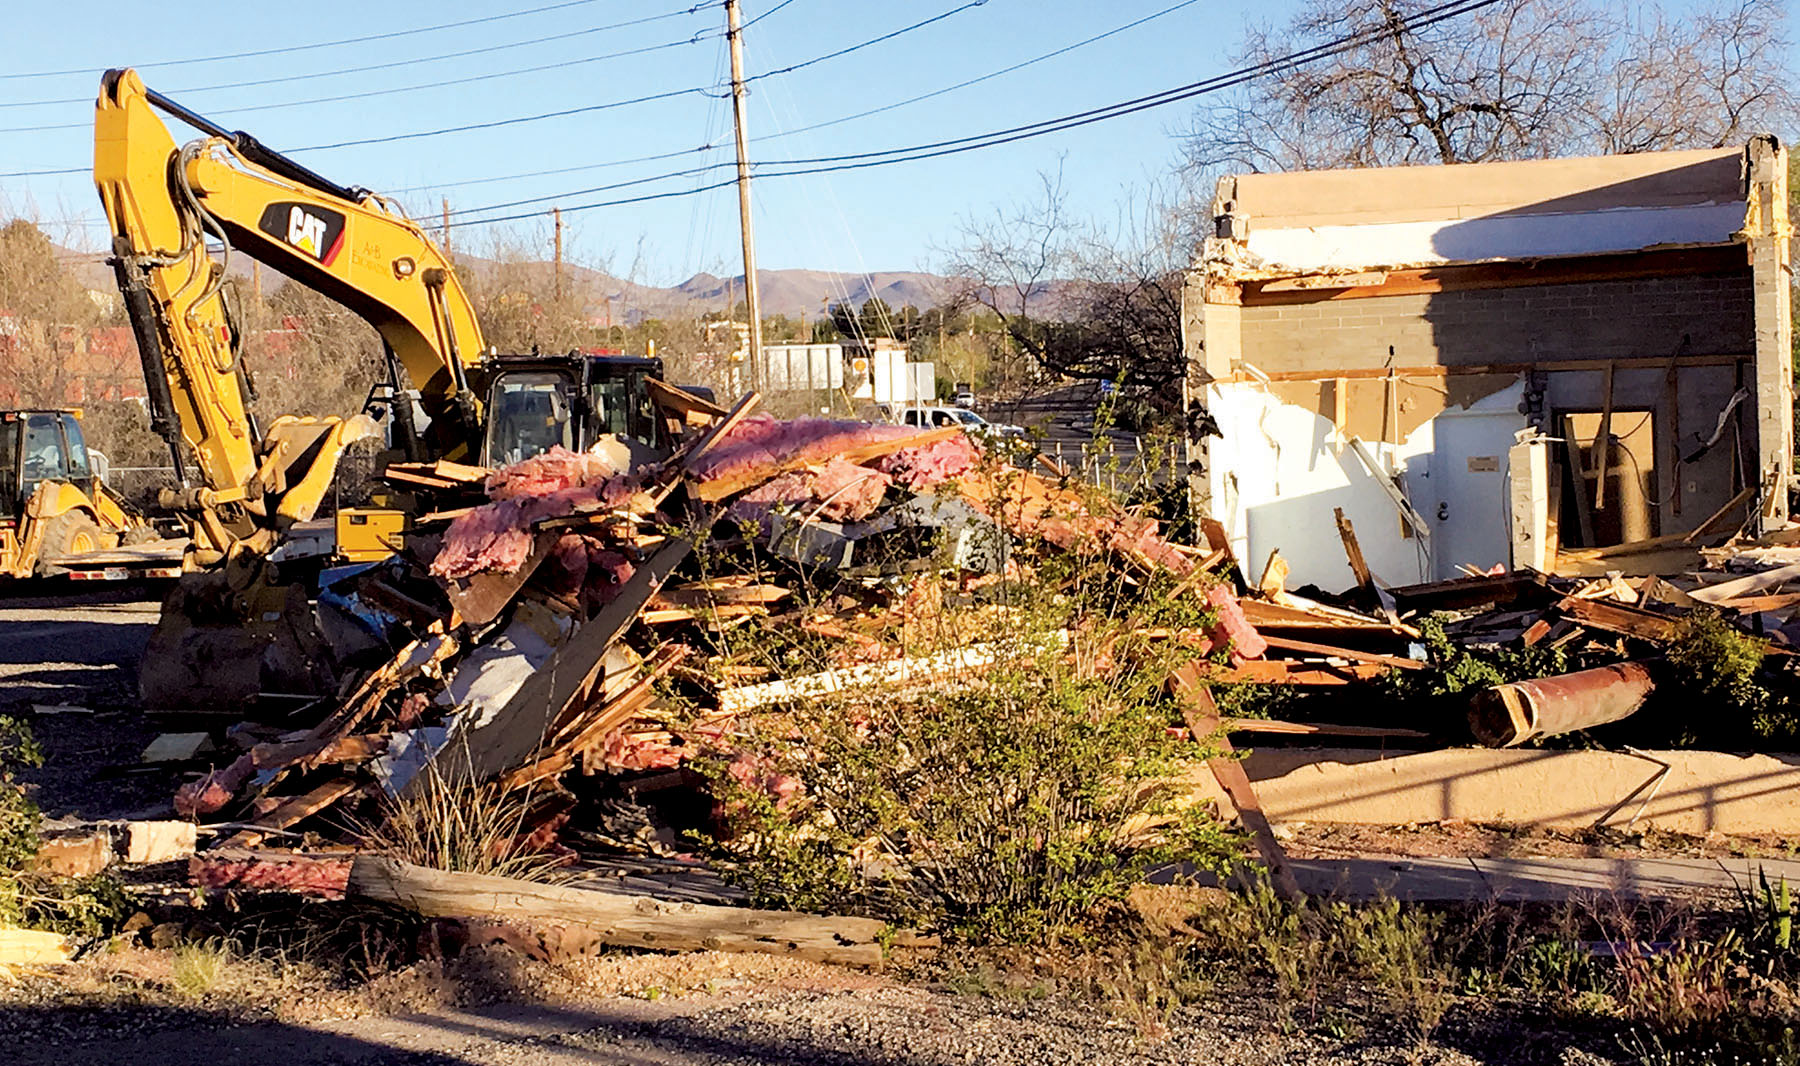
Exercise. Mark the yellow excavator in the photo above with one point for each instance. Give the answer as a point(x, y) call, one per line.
point(177, 213)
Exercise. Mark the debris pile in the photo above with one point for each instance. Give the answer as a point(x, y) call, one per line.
point(527, 636)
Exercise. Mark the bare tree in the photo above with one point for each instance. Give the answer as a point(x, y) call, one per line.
point(45, 316)
point(1521, 79)
point(1084, 300)
point(1009, 261)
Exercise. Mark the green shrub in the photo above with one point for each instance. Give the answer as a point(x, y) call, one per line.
point(1011, 802)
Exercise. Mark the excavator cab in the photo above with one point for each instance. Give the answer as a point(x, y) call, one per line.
point(534, 403)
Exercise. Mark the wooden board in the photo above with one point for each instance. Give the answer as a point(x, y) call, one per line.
point(517, 729)
point(1201, 713)
point(631, 921)
point(1351, 654)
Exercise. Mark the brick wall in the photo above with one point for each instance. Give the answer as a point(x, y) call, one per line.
point(1585, 320)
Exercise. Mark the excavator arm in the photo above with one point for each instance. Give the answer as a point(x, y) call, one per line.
point(169, 206)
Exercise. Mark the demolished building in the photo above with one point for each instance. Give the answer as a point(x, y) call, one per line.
point(1520, 364)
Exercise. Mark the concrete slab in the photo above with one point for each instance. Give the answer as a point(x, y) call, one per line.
point(1693, 792)
point(1513, 880)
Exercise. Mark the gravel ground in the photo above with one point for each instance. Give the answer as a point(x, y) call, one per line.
point(687, 1010)
point(492, 1005)
point(81, 650)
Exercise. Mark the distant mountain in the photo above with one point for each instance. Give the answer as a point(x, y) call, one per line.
point(783, 292)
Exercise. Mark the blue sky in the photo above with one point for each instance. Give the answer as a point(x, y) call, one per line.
point(890, 218)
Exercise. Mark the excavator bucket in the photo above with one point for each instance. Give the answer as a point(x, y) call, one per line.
point(229, 636)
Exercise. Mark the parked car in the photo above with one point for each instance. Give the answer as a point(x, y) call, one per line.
point(964, 396)
point(932, 417)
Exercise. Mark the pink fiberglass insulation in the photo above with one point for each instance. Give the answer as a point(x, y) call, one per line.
point(497, 536)
point(1232, 628)
point(837, 491)
point(580, 566)
point(847, 492)
point(930, 465)
point(558, 468)
point(760, 442)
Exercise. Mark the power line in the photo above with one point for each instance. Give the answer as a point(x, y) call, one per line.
point(417, 134)
point(506, 121)
point(802, 129)
point(914, 153)
point(636, 100)
point(405, 63)
point(765, 14)
point(695, 39)
point(320, 44)
point(867, 43)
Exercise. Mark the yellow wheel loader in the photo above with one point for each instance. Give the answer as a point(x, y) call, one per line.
point(52, 502)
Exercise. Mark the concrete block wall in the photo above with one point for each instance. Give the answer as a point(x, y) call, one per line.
point(1599, 320)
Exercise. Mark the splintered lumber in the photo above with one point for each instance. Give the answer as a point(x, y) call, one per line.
point(740, 411)
point(668, 396)
point(1274, 575)
point(894, 672)
point(1280, 728)
point(1752, 585)
point(253, 870)
point(1201, 713)
point(321, 752)
point(569, 738)
point(515, 732)
point(629, 921)
point(1618, 618)
point(1344, 653)
point(1353, 552)
point(307, 804)
point(1463, 593)
point(33, 947)
point(1282, 672)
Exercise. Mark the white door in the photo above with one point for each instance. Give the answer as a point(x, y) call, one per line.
point(1462, 491)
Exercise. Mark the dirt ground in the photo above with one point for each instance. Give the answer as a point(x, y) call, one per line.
point(493, 1006)
point(69, 670)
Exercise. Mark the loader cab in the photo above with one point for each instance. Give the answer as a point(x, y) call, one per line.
point(39, 446)
point(537, 402)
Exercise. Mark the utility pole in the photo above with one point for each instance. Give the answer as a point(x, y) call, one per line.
point(556, 224)
point(446, 226)
point(735, 34)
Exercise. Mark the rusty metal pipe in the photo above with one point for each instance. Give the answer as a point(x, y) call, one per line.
point(1508, 715)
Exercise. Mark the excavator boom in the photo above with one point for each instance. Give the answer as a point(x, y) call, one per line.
point(168, 206)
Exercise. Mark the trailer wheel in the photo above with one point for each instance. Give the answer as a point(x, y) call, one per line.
point(72, 533)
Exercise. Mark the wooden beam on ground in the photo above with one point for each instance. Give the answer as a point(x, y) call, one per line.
point(1282, 672)
point(1201, 714)
point(630, 921)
